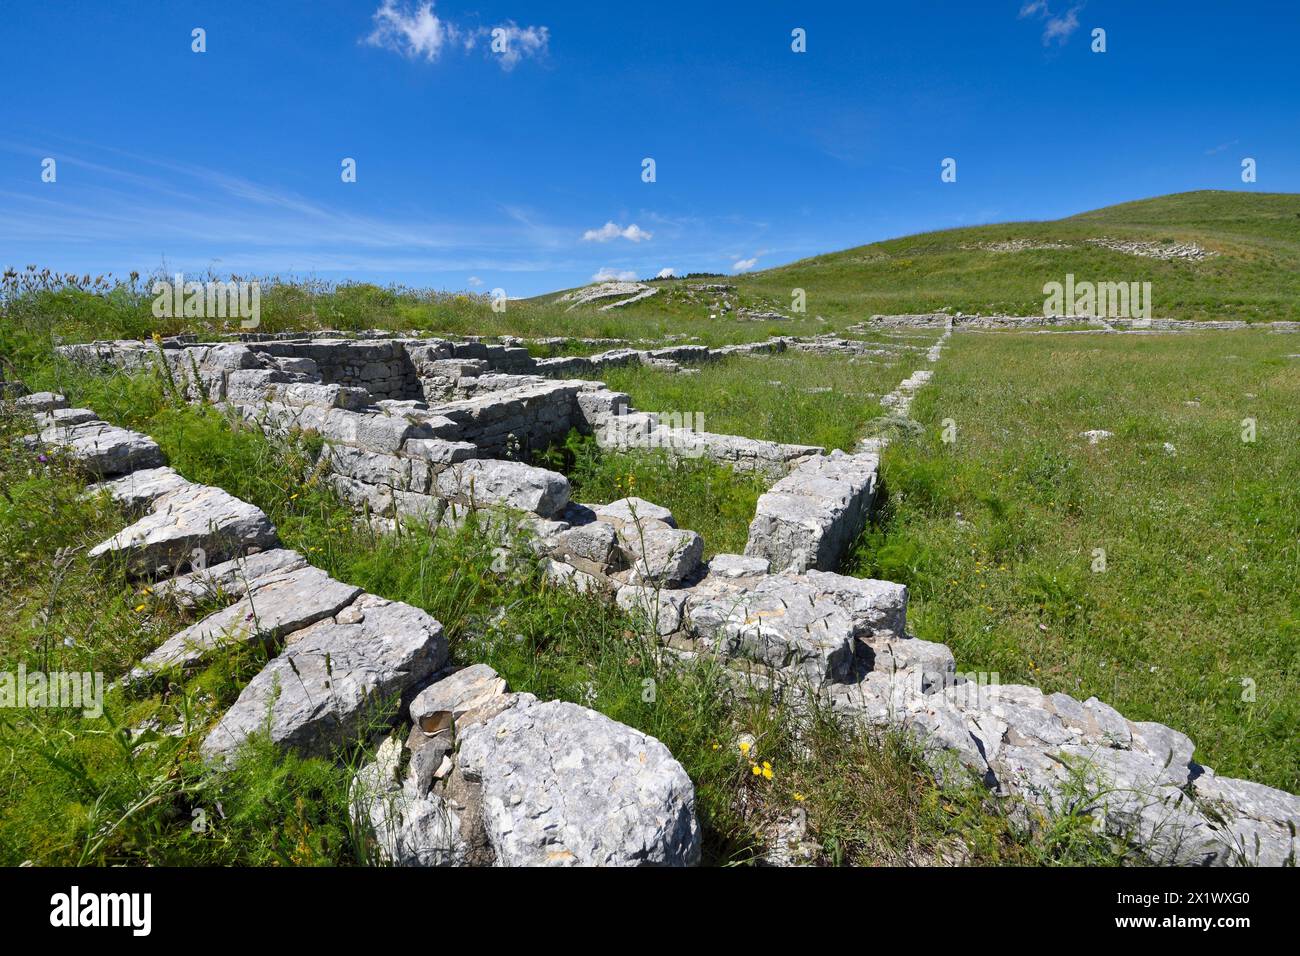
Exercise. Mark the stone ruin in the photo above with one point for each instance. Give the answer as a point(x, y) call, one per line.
point(428, 443)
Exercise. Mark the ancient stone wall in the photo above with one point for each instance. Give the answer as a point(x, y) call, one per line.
point(778, 616)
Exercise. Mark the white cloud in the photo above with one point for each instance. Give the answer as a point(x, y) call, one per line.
point(744, 265)
point(475, 281)
point(414, 32)
point(512, 43)
point(417, 32)
point(1058, 28)
point(610, 230)
point(665, 274)
point(614, 275)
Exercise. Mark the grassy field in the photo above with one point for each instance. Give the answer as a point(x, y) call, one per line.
point(1193, 618)
point(795, 397)
point(702, 495)
point(85, 790)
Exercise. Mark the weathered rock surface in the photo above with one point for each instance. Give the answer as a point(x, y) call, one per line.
point(809, 518)
point(779, 622)
point(104, 450)
point(65, 418)
point(140, 489)
point(460, 694)
point(40, 402)
point(194, 517)
point(332, 677)
point(665, 556)
point(232, 579)
point(565, 786)
point(662, 608)
point(633, 510)
point(410, 828)
point(509, 484)
point(280, 604)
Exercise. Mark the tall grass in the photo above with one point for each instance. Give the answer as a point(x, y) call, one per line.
point(1191, 616)
point(77, 790)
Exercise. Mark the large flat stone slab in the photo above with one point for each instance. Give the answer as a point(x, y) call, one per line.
point(103, 450)
point(196, 517)
point(510, 484)
point(233, 578)
point(137, 492)
point(332, 677)
point(780, 622)
point(280, 604)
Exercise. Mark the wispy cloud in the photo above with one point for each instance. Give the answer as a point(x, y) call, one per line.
point(612, 230)
point(1215, 150)
point(666, 273)
point(196, 216)
point(1058, 27)
point(512, 43)
point(744, 265)
point(418, 33)
point(413, 32)
point(613, 275)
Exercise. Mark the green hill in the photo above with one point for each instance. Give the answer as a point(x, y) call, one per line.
point(1251, 268)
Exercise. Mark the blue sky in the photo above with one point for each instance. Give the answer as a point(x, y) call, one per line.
point(479, 170)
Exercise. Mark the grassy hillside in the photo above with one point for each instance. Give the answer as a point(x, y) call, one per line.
point(1253, 276)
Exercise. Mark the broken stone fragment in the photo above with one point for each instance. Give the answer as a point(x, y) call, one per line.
point(408, 828)
point(137, 491)
point(468, 690)
point(279, 604)
point(103, 450)
point(332, 678)
point(194, 517)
